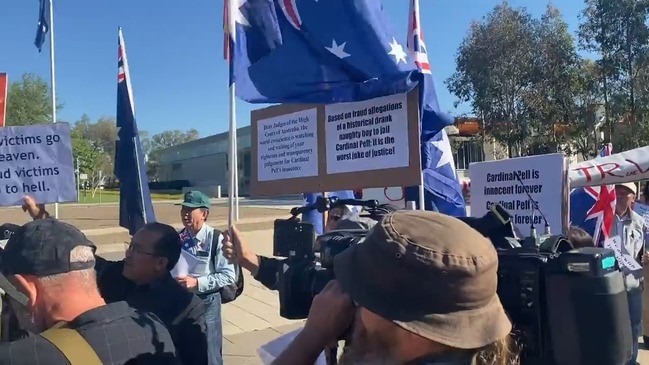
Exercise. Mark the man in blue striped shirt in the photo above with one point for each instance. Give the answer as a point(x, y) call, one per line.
point(202, 267)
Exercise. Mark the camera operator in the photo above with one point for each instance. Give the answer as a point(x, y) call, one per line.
point(264, 269)
point(421, 289)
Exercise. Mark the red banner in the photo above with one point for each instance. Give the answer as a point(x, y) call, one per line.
point(3, 98)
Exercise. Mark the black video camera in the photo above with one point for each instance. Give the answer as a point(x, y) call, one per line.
point(568, 306)
point(309, 259)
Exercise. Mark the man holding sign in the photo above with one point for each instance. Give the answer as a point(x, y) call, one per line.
point(628, 242)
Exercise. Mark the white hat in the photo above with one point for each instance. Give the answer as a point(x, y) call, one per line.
point(631, 186)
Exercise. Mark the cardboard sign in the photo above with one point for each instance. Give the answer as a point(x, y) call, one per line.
point(527, 187)
point(37, 161)
point(315, 148)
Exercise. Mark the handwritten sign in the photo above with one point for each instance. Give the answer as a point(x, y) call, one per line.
point(625, 260)
point(37, 161)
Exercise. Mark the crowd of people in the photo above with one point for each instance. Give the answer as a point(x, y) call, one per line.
point(419, 290)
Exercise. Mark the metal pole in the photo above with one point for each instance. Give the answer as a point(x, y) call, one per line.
point(232, 190)
point(53, 82)
point(78, 180)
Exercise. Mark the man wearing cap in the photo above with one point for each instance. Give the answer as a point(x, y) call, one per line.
point(205, 271)
point(142, 279)
point(421, 289)
point(629, 226)
point(51, 267)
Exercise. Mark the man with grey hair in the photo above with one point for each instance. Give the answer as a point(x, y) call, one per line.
point(50, 265)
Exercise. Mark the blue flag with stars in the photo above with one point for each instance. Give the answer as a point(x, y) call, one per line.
point(287, 51)
point(135, 206)
point(442, 189)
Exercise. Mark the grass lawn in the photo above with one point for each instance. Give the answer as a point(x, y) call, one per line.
point(112, 196)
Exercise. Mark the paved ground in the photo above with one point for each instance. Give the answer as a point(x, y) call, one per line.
point(100, 221)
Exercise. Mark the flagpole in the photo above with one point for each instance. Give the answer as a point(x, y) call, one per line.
point(232, 189)
point(53, 80)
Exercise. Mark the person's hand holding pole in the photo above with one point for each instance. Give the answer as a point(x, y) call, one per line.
point(35, 210)
point(236, 250)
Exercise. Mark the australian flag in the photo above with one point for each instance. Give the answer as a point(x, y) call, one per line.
point(592, 208)
point(135, 207)
point(442, 190)
point(288, 51)
point(43, 23)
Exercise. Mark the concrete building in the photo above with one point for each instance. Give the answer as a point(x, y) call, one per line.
point(204, 162)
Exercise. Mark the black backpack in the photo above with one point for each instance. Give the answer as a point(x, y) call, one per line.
point(232, 291)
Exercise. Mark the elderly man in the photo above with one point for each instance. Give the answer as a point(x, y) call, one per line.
point(207, 270)
point(630, 227)
point(389, 287)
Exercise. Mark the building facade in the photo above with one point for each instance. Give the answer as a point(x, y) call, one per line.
point(205, 162)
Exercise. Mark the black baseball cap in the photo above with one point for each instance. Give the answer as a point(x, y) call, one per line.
point(41, 248)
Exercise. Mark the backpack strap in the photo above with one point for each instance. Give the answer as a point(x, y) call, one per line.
point(73, 346)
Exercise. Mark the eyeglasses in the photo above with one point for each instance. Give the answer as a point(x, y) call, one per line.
point(334, 218)
point(133, 247)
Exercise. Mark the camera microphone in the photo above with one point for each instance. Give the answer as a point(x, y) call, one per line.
point(533, 239)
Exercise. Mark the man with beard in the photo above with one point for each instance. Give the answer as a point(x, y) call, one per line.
point(420, 290)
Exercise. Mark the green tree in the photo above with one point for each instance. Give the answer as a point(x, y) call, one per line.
point(95, 148)
point(617, 31)
point(29, 101)
point(551, 99)
point(494, 72)
point(153, 145)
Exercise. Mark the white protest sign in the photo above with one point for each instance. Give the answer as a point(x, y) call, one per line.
point(625, 260)
point(508, 183)
point(367, 135)
point(37, 161)
point(288, 146)
point(627, 166)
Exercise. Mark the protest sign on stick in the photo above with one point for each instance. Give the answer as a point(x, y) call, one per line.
point(306, 148)
point(527, 187)
point(37, 161)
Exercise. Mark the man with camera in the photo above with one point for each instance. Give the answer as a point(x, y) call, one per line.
point(54, 294)
point(421, 289)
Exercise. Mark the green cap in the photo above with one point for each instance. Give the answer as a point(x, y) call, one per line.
point(196, 199)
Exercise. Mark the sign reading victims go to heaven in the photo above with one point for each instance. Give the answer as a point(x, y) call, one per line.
point(529, 188)
point(36, 161)
point(319, 148)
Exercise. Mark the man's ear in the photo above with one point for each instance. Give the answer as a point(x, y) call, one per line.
point(27, 285)
point(162, 263)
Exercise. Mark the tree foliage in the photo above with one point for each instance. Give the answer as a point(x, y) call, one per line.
point(524, 77)
point(29, 101)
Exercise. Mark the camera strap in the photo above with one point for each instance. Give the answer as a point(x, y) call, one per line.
point(73, 346)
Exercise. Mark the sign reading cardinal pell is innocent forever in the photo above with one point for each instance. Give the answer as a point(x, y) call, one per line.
point(37, 161)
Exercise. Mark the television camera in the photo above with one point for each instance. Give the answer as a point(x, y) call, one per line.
point(309, 259)
point(568, 306)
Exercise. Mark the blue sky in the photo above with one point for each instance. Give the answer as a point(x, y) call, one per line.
point(175, 54)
